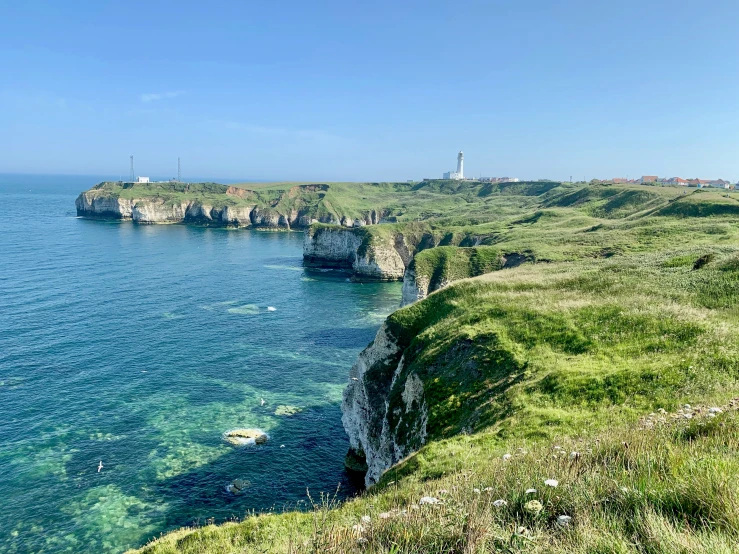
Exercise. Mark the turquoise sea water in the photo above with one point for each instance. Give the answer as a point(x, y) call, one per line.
point(140, 346)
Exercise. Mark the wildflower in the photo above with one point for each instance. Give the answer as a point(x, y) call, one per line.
point(358, 528)
point(500, 503)
point(507, 456)
point(530, 491)
point(687, 406)
point(428, 500)
point(443, 491)
point(488, 489)
point(563, 521)
point(366, 519)
point(574, 455)
point(551, 483)
point(715, 410)
point(688, 416)
point(476, 491)
point(533, 506)
point(362, 540)
point(385, 515)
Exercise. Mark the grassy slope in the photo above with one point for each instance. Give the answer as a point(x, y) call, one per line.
point(569, 353)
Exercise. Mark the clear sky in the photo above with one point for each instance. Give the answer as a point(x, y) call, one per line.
point(380, 90)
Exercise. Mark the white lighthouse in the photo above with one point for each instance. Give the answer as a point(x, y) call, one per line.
point(459, 174)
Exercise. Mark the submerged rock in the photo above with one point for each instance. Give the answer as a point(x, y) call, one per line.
point(237, 486)
point(245, 437)
point(285, 410)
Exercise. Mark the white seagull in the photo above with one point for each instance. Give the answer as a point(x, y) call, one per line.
point(262, 402)
point(100, 466)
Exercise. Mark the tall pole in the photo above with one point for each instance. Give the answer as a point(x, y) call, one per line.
point(132, 173)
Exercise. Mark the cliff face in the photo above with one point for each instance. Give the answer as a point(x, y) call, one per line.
point(213, 204)
point(384, 410)
point(383, 256)
point(327, 247)
point(416, 288)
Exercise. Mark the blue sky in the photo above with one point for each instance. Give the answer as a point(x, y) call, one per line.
point(370, 90)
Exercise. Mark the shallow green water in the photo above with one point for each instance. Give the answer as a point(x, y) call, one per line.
point(140, 346)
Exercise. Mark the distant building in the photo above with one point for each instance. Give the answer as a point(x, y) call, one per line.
point(648, 179)
point(142, 179)
point(499, 179)
point(459, 174)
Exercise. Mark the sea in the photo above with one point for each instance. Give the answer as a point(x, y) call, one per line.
point(138, 347)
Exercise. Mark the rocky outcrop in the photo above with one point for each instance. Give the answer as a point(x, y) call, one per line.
point(384, 431)
point(380, 256)
point(331, 247)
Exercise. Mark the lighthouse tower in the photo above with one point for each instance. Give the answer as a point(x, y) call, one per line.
point(460, 165)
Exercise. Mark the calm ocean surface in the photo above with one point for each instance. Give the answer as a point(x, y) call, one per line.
point(140, 346)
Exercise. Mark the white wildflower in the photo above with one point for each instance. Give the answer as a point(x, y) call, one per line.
point(715, 410)
point(574, 455)
point(507, 456)
point(443, 491)
point(500, 503)
point(358, 528)
point(488, 489)
point(428, 500)
point(530, 491)
point(533, 506)
point(476, 491)
point(686, 407)
point(385, 515)
point(563, 521)
point(551, 483)
point(366, 519)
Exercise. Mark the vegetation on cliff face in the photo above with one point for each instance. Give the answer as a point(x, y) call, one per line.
point(603, 376)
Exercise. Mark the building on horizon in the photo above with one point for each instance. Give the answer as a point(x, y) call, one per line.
point(459, 174)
